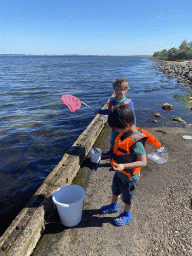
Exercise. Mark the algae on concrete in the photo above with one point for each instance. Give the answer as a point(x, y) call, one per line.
point(84, 173)
point(103, 133)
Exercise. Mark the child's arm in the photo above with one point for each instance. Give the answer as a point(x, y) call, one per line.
point(142, 162)
point(102, 111)
point(131, 105)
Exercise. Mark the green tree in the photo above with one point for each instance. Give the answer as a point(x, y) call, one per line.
point(189, 54)
point(190, 45)
point(164, 55)
point(156, 54)
point(183, 53)
point(172, 54)
point(184, 46)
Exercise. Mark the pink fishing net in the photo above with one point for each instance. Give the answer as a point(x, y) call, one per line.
point(72, 102)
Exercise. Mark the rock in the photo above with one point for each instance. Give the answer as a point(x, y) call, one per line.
point(178, 120)
point(171, 76)
point(179, 80)
point(189, 107)
point(155, 121)
point(187, 81)
point(167, 106)
point(157, 115)
point(182, 72)
point(186, 74)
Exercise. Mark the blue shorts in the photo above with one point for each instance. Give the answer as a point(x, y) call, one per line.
point(125, 188)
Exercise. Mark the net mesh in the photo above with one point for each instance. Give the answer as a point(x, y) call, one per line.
point(72, 102)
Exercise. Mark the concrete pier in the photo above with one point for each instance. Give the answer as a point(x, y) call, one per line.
point(162, 213)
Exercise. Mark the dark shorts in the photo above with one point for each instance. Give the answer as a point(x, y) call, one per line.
point(125, 188)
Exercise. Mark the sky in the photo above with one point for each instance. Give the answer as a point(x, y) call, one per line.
point(93, 27)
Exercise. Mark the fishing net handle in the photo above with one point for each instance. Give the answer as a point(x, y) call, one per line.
point(92, 109)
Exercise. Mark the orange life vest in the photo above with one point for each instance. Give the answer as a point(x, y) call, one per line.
point(122, 149)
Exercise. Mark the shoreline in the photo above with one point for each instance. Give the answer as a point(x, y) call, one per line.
point(180, 70)
point(179, 63)
point(170, 62)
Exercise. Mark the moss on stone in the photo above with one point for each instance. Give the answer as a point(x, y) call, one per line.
point(83, 171)
point(103, 133)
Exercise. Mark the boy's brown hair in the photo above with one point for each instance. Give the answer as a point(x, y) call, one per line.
point(121, 82)
point(121, 116)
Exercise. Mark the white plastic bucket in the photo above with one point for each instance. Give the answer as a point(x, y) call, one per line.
point(95, 155)
point(69, 202)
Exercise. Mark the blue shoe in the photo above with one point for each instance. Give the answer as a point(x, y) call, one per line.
point(122, 219)
point(107, 154)
point(106, 209)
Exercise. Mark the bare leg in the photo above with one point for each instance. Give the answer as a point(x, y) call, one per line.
point(115, 198)
point(128, 207)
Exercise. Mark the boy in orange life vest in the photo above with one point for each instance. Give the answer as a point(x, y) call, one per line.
point(120, 86)
point(127, 159)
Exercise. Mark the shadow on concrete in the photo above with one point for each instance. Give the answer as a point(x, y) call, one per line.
point(88, 220)
point(92, 166)
point(54, 225)
point(77, 151)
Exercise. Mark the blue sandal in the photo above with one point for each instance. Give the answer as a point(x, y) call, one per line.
point(122, 219)
point(107, 154)
point(106, 209)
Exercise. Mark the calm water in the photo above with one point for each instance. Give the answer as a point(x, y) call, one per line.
point(36, 128)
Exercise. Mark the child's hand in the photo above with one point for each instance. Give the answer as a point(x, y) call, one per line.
point(161, 149)
point(96, 112)
point(118, 167)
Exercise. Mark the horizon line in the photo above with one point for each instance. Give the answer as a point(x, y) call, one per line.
point(23, 54)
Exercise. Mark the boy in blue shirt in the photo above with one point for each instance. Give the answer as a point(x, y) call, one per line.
point(120, 86)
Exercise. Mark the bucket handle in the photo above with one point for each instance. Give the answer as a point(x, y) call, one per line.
point(65, 205)
point(95, 150)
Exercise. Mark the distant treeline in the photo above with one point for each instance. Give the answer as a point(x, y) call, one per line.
point(183, 53)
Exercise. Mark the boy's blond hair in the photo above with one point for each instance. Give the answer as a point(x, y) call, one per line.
point(120, 82)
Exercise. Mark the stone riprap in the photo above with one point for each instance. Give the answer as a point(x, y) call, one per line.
point(181, 70)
